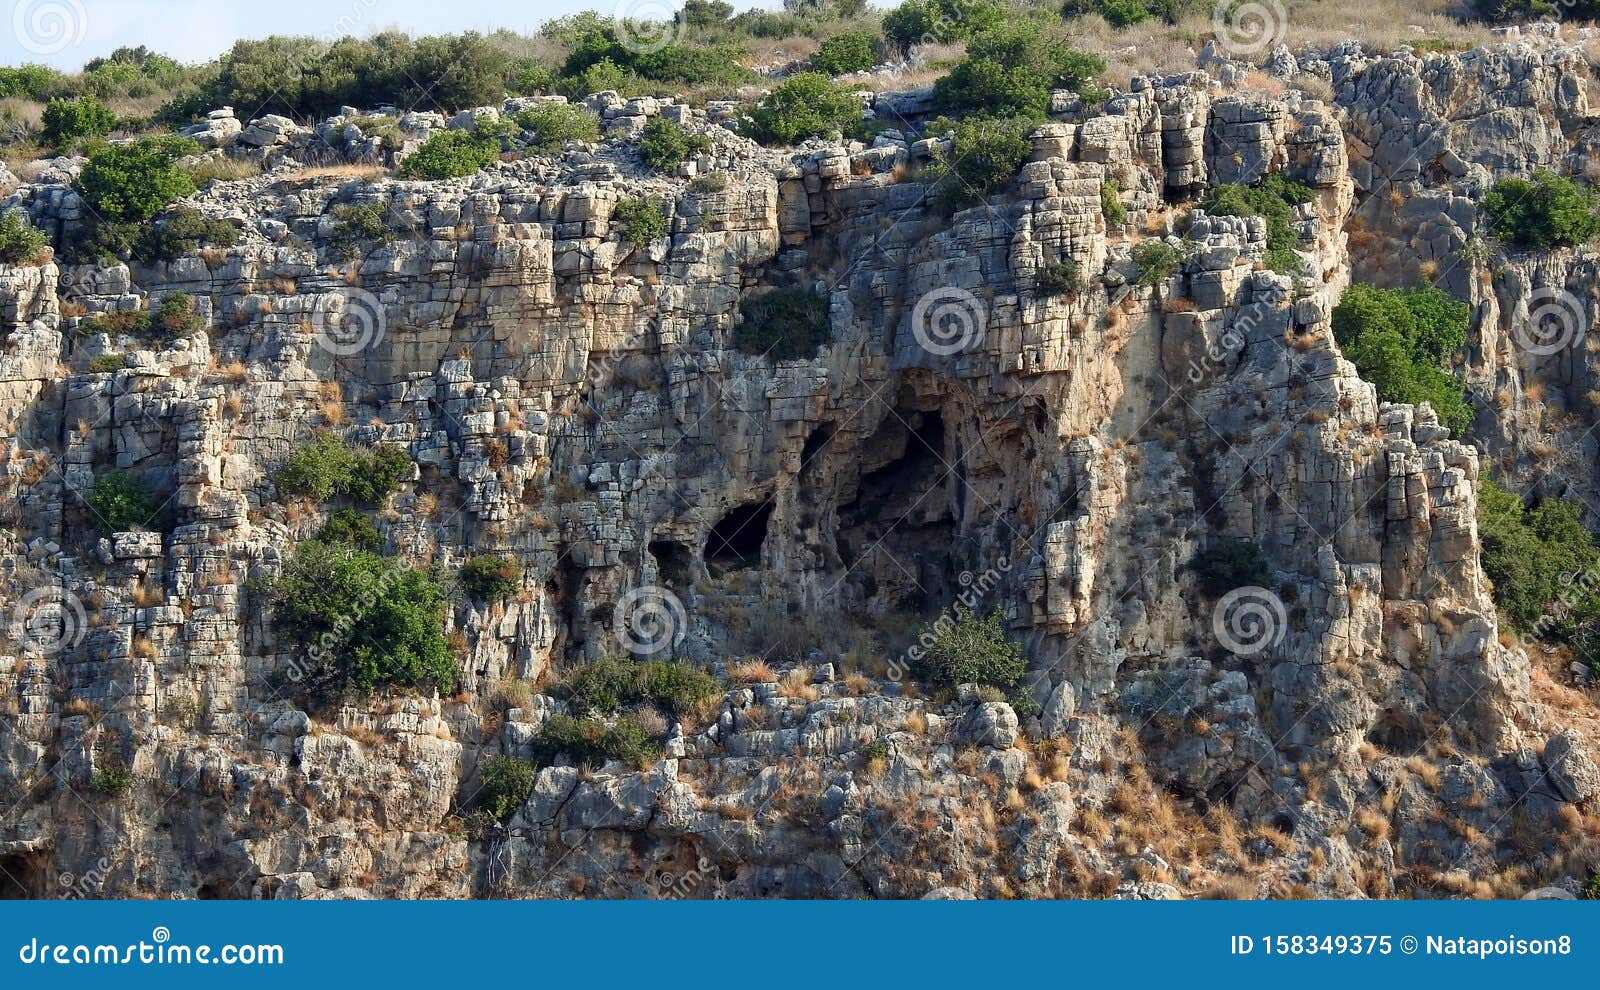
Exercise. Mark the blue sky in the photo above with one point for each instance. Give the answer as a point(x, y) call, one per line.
point(67, 33)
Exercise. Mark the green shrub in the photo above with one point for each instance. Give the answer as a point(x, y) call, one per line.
point(102, 364)
point(28, 82)
point(120, 503)
point(490, 577)
point(327, 467)
point(130, 183)
point(666, 144)
point(1227, 563)
point(609, 685)
point(351, 528)
point(1061, 277)
point(505, 785)
point(940, 21)
point(711, 182)
point(984, 155)
point(783, 324)
point(549, 126)
point(378, 474)
point(970, 650)
point(844, 53)
point(1273, 200)
point(1548, 211)
point(20, 241)
point(1125, 13)
point(598, 78)
point(803, 106)
point(357, 224)
point(1543, 564)
point(590, 742)
point(1009, 71)
point(640, 220)
point(1400, 340)
point(1110, 205)
point(362, 622)
point(180, 231)
point(66, 122)
point(319, 471)
point(1156, 261)
point(174, 319)
point(450, 155)
point(111, 782)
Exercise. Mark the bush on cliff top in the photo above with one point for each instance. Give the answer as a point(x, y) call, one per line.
point(121, 503)
point(133, 182)
point(984, 154)
point(1009, 71)
point(804, 106)
point(1273, 199)
point(450, 155)
point(328, 466)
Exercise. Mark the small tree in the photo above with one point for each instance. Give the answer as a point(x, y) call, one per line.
point(20, 241)
point(1156, 261)
point(1548, 211)
point(665, 144)
point(120, 503)
point(843, 53)
point(451, 154)
point(985, 153)
point(804, 106)
point(506, 784)
point(66, 122)
point(130, 183)
point(640, 220)
point(490, 577)
point(970, 650)
point(1227, 563)
point(549, 126)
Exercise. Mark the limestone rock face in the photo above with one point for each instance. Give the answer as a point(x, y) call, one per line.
point(976, 433)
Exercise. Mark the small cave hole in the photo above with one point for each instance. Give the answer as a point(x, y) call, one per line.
point(672, 562)
point(22, 878)
point(736, 540)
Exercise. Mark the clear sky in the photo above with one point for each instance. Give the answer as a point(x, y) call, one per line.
point(67, 33)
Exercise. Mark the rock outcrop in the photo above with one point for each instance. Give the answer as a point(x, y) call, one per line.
point(1355, 726)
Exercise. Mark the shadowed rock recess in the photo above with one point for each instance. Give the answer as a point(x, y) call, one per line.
point(969, 435)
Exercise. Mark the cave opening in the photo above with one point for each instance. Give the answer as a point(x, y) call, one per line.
point(735, 541)
point(672, 562)
point(21, 878)
point(815, 444)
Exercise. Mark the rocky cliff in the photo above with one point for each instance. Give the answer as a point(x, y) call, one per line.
point(1362, 727)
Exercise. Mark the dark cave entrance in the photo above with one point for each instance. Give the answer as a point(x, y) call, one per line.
point(736, 540)
point(22, 878)
point(673, 562)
